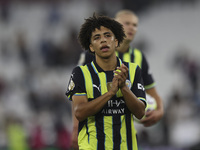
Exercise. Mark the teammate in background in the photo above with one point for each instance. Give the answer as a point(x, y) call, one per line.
point(125, 52)
point(129, 20)
point(106, 92)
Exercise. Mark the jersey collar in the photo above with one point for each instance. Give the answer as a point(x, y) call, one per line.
point(98, 69)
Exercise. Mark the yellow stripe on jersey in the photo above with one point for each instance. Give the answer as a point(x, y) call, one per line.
point(123, 135)
point(92, 132)
point(138, 57)
point(108, 132)
point(132, 77)
point(80, 94)
point(134, 140)
point(87, 137)
point(88, 84)
point(123, 144)
point(119, 93)
point(117, 54)
point(102, 77)
point(83, 139)
point(90, 141)
point(126, 57)
point(132, 69)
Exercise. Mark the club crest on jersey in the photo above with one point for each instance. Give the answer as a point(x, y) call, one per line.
point(128, 83)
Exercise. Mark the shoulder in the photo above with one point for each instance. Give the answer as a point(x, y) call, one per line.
point(77, 73)
point(77, 69)
point(76, 82)
point(136, 50)
point(131, 65)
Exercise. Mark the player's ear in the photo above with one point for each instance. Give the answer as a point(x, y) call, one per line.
point(91, 48)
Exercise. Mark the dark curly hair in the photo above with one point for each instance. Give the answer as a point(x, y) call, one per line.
point(95, 22)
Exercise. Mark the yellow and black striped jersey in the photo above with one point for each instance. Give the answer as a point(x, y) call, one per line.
point(132, 55)
point(112, 127)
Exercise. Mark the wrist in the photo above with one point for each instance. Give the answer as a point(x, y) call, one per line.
point(111, 93)
point(124, 88)
point(161, 111)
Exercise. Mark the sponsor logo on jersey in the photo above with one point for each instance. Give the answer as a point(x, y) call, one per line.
point(97, 87)
point(140, 86)
point(114, 107)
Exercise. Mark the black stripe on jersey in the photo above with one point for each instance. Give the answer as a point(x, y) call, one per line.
point(120, 55)
point(100, 133)
point(86, 125)
point(128, 131)
point(98, 116)
point(128, 66)
point(109, 76)
point(116, 135)
point(81, 125)
point(132, 55)
point(115, 119)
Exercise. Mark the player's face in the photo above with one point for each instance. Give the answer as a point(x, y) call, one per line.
point(130, 24)
point(103, 42)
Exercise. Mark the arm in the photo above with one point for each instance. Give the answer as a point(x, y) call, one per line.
point(154, 116)
point(159, 102)
point(136, 106)
point(84, 58)
point(84, 108)
point(74, 131)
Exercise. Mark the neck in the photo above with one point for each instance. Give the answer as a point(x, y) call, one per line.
point(124, 46)
point(107, 64)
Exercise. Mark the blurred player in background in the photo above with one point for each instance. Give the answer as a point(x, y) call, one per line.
point(129, 20)
point(127, 53)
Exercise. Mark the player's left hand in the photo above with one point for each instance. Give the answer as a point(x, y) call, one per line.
point(121, 74)
point(151, 118)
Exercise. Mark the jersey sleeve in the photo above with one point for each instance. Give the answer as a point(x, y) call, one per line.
point(146, 74)
point(138, 86)
point(76, 84)
point(85, 57)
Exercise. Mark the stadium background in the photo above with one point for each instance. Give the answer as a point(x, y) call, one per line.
point(38, 49)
